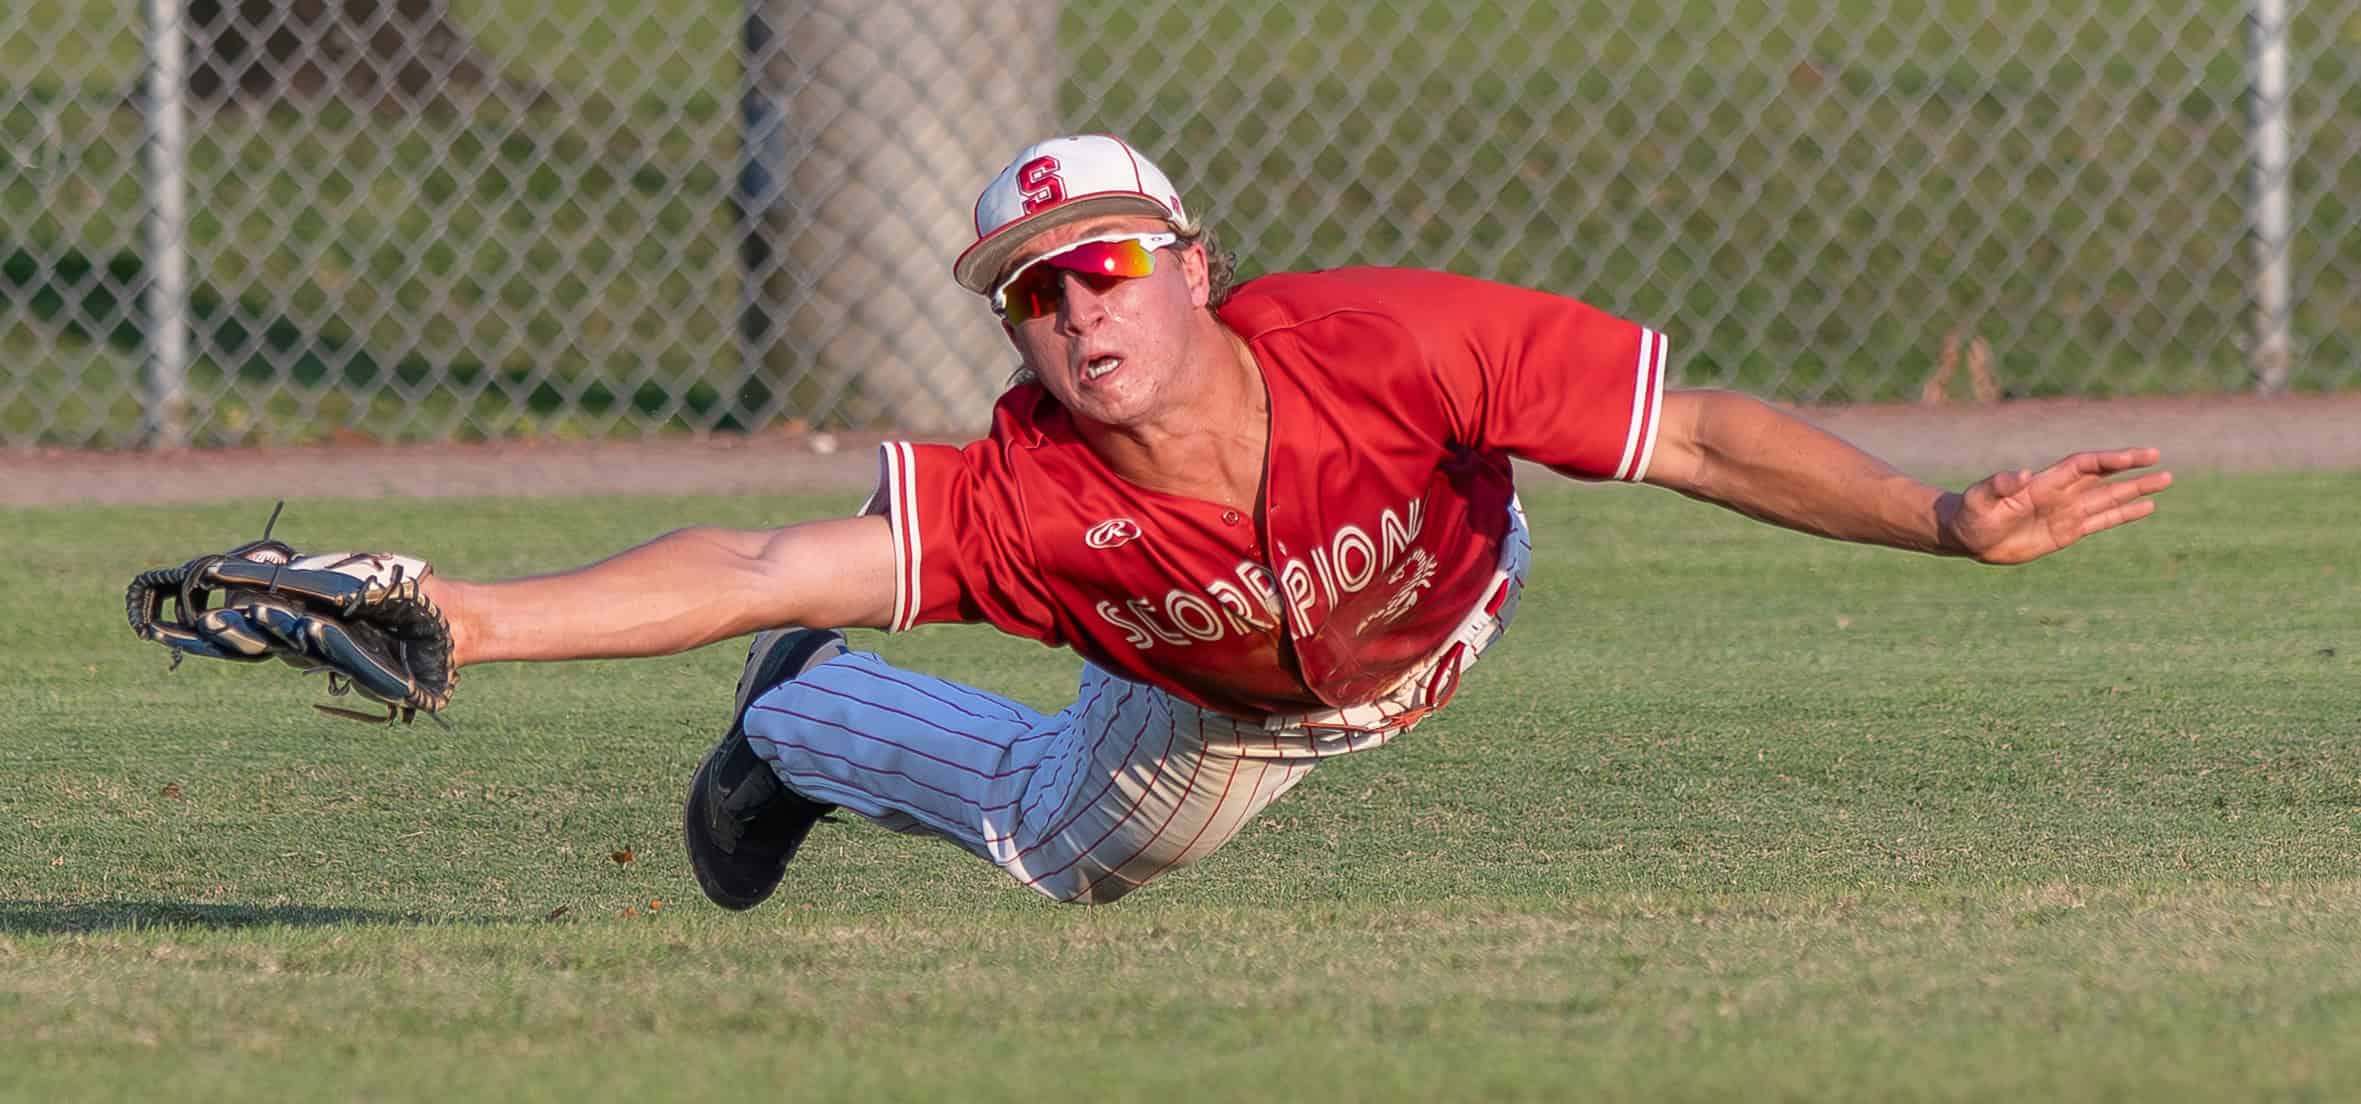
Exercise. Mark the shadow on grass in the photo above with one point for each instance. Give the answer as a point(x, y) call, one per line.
point(40, 918)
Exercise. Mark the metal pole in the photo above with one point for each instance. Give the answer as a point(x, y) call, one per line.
point(168, 263)
point(762, 173)
point(2274, 318)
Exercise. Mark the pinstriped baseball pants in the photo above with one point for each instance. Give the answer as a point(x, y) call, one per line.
point(1093, 801)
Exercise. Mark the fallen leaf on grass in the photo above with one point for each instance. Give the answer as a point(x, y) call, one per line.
point(655, 905)
point(623, 856)
point(172, 790)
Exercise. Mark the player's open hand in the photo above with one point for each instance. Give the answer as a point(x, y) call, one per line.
point(2021, 515)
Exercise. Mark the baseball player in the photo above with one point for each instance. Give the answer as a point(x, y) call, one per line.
point(1277, 521)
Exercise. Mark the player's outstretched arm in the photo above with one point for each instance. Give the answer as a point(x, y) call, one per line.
point(682, 590)
point(1739, 452)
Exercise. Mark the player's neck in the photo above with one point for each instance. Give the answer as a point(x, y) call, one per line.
point(1210, 445)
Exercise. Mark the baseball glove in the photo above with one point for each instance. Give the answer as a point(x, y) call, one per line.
point(360, 618)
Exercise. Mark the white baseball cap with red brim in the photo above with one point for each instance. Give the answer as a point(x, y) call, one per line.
point(1056, 182)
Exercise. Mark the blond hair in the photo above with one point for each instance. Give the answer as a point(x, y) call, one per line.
point(1221, 265)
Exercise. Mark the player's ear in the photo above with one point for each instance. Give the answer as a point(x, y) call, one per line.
point(1198, 273)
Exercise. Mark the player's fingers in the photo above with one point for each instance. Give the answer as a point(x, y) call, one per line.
point(2104, 495)
point(2110, 461)
point(2002, 484)
point(2075, 474)
point(2109, 518)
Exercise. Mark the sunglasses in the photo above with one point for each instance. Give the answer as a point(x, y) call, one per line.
point(1037, 287)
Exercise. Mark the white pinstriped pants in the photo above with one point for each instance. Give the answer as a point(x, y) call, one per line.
point(1093, 802)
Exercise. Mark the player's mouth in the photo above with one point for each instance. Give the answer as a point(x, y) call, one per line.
point(1100, 367)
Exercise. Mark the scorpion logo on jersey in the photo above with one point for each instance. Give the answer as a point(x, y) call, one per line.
point(1258, 597)
point(1414, 575)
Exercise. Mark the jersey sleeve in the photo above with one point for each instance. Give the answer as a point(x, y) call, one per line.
point(1542, 376)
point(961, 550)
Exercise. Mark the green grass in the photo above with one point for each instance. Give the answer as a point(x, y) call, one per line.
point(1732, 813)
point(2069, 183)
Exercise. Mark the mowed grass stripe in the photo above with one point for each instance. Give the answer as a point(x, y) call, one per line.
point(2056, 991)
point(1731, 811)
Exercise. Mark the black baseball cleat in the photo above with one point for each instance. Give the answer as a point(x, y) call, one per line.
point(742, 824)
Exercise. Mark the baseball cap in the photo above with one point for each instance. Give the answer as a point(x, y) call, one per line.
point(1055, 182)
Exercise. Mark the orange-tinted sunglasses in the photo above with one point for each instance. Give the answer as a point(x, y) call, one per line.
point(1039, 285)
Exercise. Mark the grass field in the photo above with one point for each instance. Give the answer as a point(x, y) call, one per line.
point(1808, 196)
point(1732, 813)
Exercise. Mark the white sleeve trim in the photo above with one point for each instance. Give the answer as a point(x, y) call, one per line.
point(1647, 402)
point(897, 484)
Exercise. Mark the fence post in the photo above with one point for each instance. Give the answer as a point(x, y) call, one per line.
point(2274, 346)
point(166, 164)
point(877, 121)
point(762, 162)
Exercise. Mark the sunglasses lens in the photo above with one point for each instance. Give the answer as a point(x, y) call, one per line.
point(1035, 292)
point(1039, 287)
point(1128, 259)
point(1030, 296)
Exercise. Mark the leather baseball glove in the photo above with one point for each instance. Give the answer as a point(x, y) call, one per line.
point(360, 618)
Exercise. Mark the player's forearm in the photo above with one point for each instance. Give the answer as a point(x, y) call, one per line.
point(683, 590)
point(1738, 452)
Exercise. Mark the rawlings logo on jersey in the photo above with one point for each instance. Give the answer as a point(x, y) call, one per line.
point(1257, 598)
point(1112, 533)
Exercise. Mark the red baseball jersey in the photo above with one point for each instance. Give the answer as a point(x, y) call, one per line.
point(1397, 397)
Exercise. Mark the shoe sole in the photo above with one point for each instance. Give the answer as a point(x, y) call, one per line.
point(785, 654)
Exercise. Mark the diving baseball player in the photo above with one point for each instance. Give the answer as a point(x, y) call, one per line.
point(1277, 522)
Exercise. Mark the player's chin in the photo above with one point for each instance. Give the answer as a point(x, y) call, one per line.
point(1113, 408)
point(1110, 400)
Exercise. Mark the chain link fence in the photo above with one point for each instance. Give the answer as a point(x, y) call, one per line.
point(303, 220)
